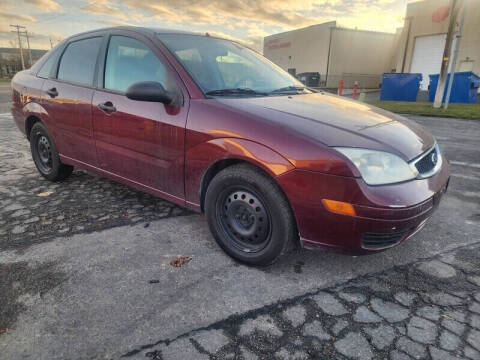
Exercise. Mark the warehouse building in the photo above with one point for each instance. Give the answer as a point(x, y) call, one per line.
point(422, 40)
point(335, 53)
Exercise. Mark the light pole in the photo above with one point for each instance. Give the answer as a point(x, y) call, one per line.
point(455, 56)
point(446, 56)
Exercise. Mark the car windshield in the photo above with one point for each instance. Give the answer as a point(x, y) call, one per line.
point(224, 68)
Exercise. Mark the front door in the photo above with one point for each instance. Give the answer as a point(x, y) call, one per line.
point(142, 142)
point(67, 100)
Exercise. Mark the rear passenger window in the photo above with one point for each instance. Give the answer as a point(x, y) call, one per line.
point(77, 64)
point(130, 61)
point(47, 67)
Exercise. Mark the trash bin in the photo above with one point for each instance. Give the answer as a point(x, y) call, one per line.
point(464, 88)
point(400, 87)
point(309, 78)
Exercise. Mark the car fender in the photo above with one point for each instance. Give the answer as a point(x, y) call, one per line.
point(34, 109)
point(203, 157)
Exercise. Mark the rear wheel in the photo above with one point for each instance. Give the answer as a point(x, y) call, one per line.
point(248, 215)
point(45, 155)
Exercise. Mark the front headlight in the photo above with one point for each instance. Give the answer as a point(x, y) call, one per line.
point(379, 167)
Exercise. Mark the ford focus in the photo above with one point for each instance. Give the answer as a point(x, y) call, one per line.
point(213, 126)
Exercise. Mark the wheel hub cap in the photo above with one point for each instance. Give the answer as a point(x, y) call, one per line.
point(44, 153)
point(246, 219)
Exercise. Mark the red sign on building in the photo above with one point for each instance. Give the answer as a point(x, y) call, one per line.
point(441, 14)
point(277, 44)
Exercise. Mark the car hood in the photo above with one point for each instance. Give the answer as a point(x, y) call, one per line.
point(336, 121)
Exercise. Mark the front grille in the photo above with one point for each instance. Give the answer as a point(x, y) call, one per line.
point(382, 240)
point(428, 162)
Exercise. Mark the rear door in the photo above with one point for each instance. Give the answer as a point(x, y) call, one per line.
point(142, 142)
point(67, 99)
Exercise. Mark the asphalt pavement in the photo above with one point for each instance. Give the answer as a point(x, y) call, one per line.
point(5, 96)
point(85, 272)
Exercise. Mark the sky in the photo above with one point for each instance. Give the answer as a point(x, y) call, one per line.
point(245, 20)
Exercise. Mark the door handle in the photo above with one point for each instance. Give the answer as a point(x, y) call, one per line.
point(52, 92)
point(107, 107)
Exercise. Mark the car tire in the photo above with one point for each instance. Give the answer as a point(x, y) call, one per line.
point(45, 154)
point(249, 216)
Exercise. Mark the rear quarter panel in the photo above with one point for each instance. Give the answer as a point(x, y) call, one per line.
point(26, 99)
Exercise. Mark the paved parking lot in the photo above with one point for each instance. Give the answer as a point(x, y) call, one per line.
point(85, 273)
point(5, 96)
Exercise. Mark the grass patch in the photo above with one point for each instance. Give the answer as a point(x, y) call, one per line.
point(462, 111)
point(5, 80)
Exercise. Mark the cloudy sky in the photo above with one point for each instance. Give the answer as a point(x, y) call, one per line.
point(246, 20)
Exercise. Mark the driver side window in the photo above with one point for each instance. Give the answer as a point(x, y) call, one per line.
point(130, 61)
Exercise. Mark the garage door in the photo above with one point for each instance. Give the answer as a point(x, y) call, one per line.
point(427, 56)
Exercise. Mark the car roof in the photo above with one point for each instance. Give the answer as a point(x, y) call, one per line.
point(145, 30)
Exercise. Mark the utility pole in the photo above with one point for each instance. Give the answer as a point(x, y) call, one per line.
point(29, 50)
point(51, 43)
point(446, 56)
point(18, 27)
point(455, 55)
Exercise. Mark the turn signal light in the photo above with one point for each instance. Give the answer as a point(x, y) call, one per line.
point(339, 207)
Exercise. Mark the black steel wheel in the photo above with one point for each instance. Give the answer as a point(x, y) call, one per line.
point(244, 218)
point(248, 215)
point(45, 155)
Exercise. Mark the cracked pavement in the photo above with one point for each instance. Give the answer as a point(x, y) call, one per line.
point(85, 273)
point(33, 210)
point(430, 309)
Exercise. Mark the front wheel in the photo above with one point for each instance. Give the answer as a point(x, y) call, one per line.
point(45, 155)
point(248, 215)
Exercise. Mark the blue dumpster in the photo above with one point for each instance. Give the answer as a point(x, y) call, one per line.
point(464, 88)
point(400, 87)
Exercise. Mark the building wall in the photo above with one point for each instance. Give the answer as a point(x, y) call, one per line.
point(348, 54)
point(422, 21)
point(305, 49)
point(470, 43)
point(359, 56)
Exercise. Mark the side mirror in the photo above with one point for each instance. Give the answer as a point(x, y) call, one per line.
point(149, 91)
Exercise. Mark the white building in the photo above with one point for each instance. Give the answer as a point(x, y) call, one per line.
point(334, 52)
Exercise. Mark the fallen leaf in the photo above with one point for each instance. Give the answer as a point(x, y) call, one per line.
point(45, 193)
point(180, 261)
point(447, 317)
point(154, 281)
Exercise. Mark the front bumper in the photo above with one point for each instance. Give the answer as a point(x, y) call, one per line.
point(385, 215)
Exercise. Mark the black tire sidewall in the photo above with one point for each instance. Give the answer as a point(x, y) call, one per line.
point(272, 198)
point(38, 130)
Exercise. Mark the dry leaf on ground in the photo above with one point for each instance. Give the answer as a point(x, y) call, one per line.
point(180, 261)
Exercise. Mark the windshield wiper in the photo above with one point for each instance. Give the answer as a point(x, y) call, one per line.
point(234, 91)
point(288, 89)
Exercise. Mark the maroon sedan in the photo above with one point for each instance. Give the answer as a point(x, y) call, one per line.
point(213, 126)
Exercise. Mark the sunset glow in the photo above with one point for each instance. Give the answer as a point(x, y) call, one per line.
point(245, 20)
